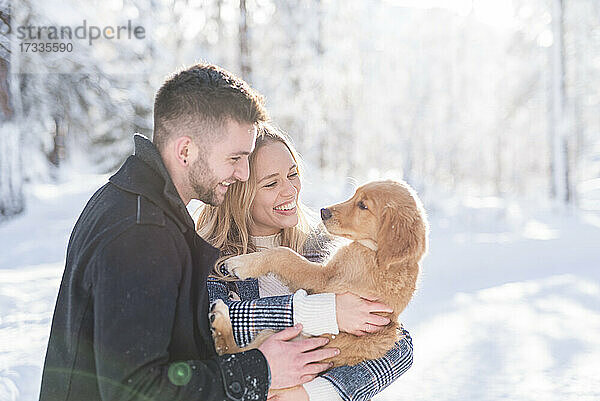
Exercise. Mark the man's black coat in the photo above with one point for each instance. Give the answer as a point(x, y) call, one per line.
point(131, 321)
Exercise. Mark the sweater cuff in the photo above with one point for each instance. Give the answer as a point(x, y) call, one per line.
point(321, 389)
point(316, 313)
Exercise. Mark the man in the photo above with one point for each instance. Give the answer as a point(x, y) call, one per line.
point(131, 319)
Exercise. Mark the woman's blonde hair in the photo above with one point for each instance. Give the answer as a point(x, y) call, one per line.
point(226, 227)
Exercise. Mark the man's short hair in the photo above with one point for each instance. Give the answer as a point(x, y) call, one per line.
point(200, 99)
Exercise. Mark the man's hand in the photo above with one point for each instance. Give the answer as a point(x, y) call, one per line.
point(355, 315)
point(293, 363)
point(297, 393)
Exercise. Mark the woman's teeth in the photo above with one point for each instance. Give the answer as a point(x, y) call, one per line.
point(287, 206)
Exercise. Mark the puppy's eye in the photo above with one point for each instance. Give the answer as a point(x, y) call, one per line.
point(361, 205)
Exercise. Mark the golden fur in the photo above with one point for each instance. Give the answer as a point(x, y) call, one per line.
point(388, 229)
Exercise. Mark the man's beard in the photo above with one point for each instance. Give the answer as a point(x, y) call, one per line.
point(204, 183)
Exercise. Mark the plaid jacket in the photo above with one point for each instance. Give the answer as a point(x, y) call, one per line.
point(252, 314)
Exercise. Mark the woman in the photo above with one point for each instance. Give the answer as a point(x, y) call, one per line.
point(265, 212)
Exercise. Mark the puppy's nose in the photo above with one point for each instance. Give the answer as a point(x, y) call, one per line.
point(325, 214)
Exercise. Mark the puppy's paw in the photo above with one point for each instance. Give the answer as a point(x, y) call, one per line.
point(220, 329)
point(245, 266)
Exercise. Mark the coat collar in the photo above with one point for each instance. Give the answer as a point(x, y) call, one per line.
point(144, 173)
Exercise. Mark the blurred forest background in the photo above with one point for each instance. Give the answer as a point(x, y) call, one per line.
point(478, 98)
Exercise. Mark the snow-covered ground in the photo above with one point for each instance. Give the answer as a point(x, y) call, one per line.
point(508, 305)
point(502, 317)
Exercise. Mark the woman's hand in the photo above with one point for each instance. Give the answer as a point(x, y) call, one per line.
point(291, 394)
point(356, 315)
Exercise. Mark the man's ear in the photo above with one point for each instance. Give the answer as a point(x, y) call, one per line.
point(181, 149)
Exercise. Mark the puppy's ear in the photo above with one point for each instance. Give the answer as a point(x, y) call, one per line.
point(401, 235)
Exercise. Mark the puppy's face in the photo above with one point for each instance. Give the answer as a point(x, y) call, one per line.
point(388, 213)
point(357, 218)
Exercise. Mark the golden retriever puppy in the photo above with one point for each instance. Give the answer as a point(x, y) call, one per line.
point(388, 228)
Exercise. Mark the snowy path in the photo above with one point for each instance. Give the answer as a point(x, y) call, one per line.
point(31, 264)
point(518, 319)
point(498, 316)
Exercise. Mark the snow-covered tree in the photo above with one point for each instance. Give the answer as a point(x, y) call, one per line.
point(455, 97)
point(11, 192)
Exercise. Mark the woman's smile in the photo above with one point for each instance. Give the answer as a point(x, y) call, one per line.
point(287, 208)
